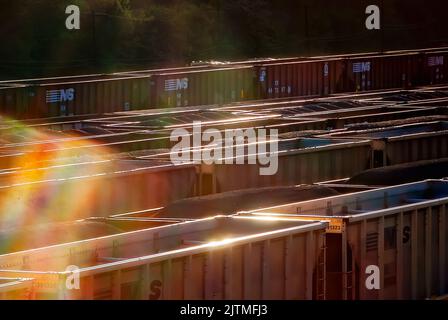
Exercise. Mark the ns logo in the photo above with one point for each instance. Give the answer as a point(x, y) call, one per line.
point(63, 95)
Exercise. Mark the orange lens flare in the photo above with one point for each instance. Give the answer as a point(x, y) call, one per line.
point(47, 180)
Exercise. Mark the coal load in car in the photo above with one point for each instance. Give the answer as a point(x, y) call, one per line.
point(400, 174)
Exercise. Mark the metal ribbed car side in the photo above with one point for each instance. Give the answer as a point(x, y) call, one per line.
point(86, 190)
point(44, 98)
point(311, 78)
point(435, 67)
point(405, 143)
point(216, 258)
point(17, 289)
point(381, 72)
point(216, 86)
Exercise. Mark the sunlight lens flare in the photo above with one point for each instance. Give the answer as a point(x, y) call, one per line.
point(52, 178)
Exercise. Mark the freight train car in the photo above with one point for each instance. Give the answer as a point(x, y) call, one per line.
point(103, 188)
point(15, 100)
point(395, 71)
point(180, 87)
point(16, 288)
point(435, 67)
point(402, 173)
point(382, 72)
point(216, 86)
point(101, 93)
point(216, 258)
point(66, 97)
point(83, 94)
point(232, 202)
point(310, 160)
point(403, 143)
point(45, 235)
point(312, 78)
point(300, 161)
point(401, 230)
point(344, 74)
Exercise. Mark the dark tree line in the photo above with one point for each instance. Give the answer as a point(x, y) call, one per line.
point(127, 34)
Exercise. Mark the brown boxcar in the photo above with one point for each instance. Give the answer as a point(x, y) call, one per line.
point(66, 96)
point(382, 72)
point(312, 78)
point(15, 100)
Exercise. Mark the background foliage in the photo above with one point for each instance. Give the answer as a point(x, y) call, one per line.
point(127, 34)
